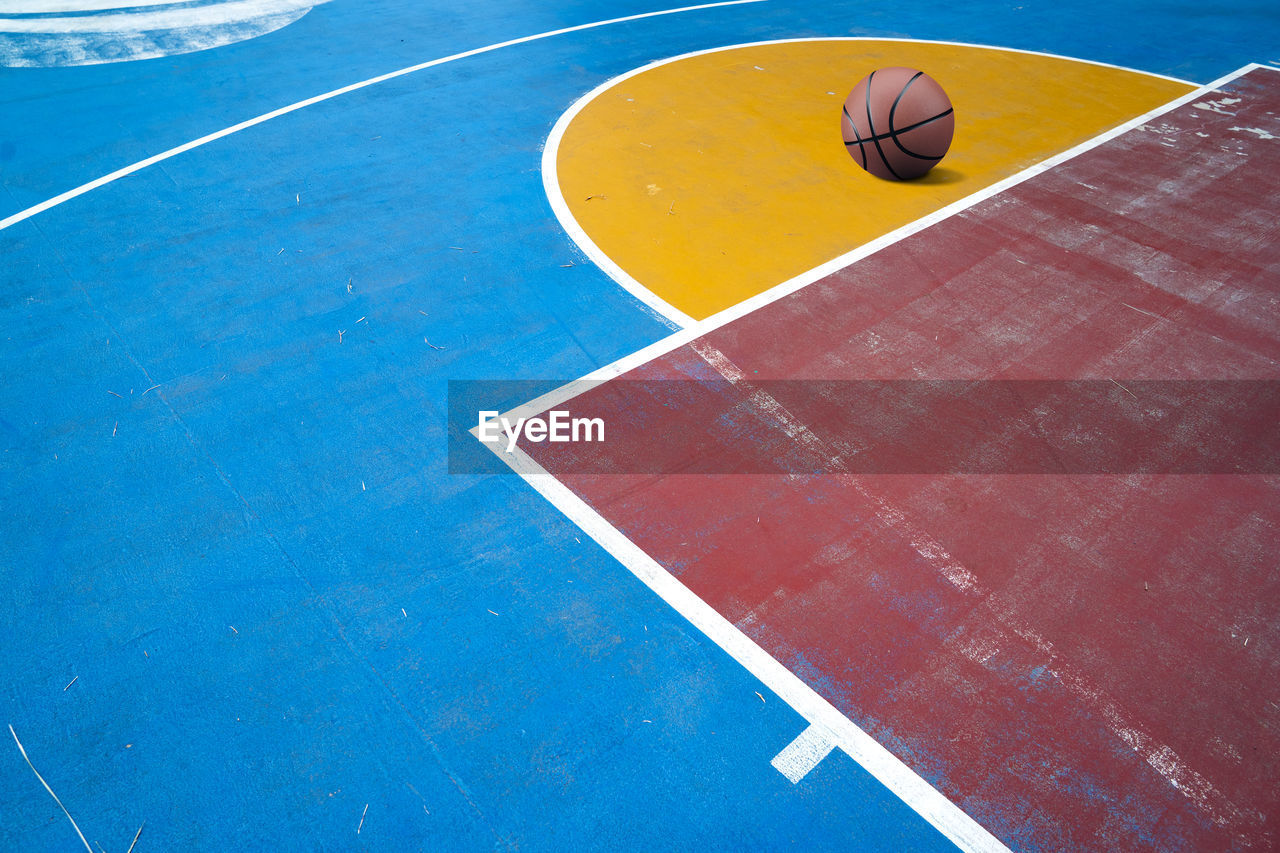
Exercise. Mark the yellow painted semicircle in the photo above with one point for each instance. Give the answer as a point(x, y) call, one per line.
point(713, 177)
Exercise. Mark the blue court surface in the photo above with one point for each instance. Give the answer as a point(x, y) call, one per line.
point(245, 604)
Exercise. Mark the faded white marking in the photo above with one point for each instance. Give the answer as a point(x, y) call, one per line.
point(804, 753)
point(1245, 826)
point(212, 15)
point(126, 32)
point(994, 634)
point(1219, 106)
point(765, 402)
point(1256, 131)
point(980, 649)
point(49, 7)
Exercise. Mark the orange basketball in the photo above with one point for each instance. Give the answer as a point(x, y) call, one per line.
point(897, 123)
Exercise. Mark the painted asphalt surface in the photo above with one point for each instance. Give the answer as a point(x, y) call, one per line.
point(245, 603)
point(1060, 646)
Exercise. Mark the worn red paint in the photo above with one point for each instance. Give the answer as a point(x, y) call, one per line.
point(1080, 662)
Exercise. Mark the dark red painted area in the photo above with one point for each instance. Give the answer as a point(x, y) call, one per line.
point(1080, 662)
point(913, 426)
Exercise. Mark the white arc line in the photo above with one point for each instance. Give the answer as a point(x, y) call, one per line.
point(673, 316)
point(382, 78)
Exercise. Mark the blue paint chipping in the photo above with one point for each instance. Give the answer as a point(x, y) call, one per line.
point(243, 599)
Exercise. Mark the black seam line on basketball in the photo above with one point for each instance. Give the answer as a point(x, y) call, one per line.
point(893, 109)
point(893, 131)
point(871, 126)
point(907, 129)
point(904, 149)
point(857, 136)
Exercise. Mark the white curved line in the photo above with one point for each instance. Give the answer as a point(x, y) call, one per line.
point(29, 212)
point(551, 150)
point(214, 15)
point(551, 185)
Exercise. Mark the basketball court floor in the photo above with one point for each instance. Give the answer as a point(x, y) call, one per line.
point(930, 515)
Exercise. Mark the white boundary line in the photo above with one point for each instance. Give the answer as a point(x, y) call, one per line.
point(265, 117)
point(674, 316)
point(831, 724)
point(828, 722)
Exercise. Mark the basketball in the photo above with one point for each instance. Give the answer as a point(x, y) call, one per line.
point(897, 123)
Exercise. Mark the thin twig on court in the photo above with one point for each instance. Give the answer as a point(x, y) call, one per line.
point(135, 837)
point(47, 788)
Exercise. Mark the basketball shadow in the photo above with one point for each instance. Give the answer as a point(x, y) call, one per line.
point(940, 175)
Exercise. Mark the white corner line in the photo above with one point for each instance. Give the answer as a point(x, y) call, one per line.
point(382, 78)
point(698, 328)
point(655, 303)
point(830, 724)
